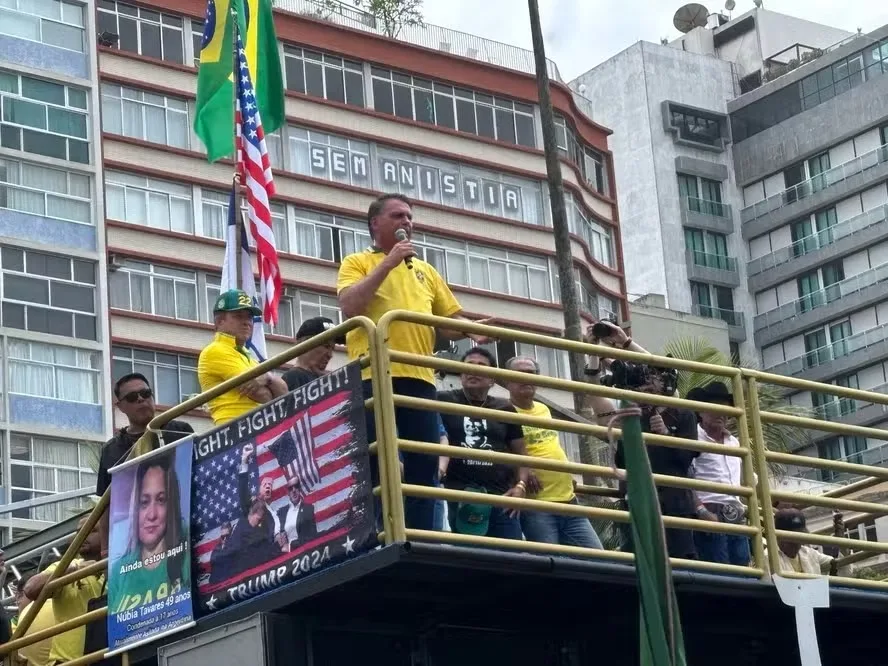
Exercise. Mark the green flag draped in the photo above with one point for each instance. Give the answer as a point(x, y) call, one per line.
point(214, 110)
point(661, 638)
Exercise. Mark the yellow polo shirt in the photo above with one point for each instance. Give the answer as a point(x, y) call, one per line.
point(38, 653)
point(70, 602)
point(544, 443)
point(219, 361)
point(421, 289)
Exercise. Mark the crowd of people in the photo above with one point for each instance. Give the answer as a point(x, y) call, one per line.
point(386, 276)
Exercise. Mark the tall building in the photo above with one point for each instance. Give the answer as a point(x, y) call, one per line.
point(770, 177)
point(673, 159)
point(449, 119)
point(810, 155)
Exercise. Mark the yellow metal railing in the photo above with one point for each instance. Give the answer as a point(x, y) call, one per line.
point(757, 491)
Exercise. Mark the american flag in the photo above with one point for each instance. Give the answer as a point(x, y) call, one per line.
point(254, 168)
point(294, 450)
point(215, 479)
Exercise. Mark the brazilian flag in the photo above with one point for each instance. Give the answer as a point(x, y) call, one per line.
point(214, 112)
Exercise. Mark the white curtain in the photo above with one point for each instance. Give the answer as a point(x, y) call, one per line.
point(132, 119)
point(140, 292)
point(30, 379)
point(77, 385)
point(159, 210)
point(164, 297)
point(177, 128)
point(186, 302)
point(215, 218)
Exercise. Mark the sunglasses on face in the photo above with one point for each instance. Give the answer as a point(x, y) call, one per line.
point(133, 396)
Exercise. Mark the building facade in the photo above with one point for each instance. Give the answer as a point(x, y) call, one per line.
point(448, 119)
point(678, 199)
point(811, 158)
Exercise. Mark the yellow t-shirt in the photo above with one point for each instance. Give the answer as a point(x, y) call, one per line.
point(544, 443)
point(38, 653)
point(67, 603)
point(220, 360)
point(421, 289)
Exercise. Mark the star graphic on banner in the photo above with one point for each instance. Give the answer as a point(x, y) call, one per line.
point(252, 134)
point(211, 603)
point(349, 545)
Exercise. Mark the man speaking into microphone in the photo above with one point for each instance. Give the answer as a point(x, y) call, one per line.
point(389, 276)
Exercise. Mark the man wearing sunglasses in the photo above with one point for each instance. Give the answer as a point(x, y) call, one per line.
point(135, 399)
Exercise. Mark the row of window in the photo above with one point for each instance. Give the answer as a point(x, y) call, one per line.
point(43, 466)
point(44, 191)
point(311, 72)
point(54, 22)
point(815, 89)
point(47, 293)
point(44, 118)
point(336, 158)
point(590, 162)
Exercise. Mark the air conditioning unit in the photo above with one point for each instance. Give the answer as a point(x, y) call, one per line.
point(114, 263)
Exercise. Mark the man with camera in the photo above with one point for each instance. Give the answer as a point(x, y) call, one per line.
point(668, 421)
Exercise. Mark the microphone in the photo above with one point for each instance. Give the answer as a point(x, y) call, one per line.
point(400, 236)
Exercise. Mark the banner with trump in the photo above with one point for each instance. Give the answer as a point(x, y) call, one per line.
point(282, 492)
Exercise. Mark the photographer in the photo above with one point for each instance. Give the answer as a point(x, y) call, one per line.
point(668, 421)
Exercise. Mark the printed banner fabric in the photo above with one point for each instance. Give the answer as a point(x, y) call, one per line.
point(149, 575)
point(282, 492)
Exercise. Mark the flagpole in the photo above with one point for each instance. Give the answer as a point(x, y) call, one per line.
point(236, 183)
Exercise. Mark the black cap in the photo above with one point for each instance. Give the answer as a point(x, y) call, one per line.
point(715, 393)
point(316, 326)
point(791, 520)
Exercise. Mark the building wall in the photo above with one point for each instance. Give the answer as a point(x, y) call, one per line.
point(54, 334)
point(654, 327)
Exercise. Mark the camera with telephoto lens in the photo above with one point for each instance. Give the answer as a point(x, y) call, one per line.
point(632, 376)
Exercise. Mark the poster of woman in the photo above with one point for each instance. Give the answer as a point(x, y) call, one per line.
point(149, 581)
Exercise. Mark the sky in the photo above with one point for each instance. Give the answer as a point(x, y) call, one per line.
point(580, 34)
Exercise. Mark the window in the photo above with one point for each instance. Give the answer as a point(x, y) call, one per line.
point(40, 190)
point(54, 371)
point(172, 376)
point(197, 30)
point(150, 202)
point(702, 299)
point(814, 287)
point(44, 118)
point(143, 115)
point(143, 31)
point(597, 236)
point(214, 216)
point(52, 22)
point(47, 293)
point(590, 162)
point(43, 466)
point(451, 184)
point(696, 126)
point(817, 168)
point(709, 249)
point(138, 286)
point(330, 157)
point(327, 237)
point(702, 195)
point(822, 86)
point(808, 237)
point(312, 304)
point(464, 110)
point(322, 75)
point(844, 447)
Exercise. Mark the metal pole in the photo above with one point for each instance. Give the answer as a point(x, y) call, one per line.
point(236, 181)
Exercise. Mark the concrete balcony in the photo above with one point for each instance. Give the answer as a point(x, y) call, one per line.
point(840, 358)
point(712, 268)
point(807, 253)
point(735, 320)
point(836, 300)
point(858, 413)
point(709, 215)
point(815, 193)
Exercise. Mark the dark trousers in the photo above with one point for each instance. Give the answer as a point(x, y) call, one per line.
point(418, 425)
point(724, 548)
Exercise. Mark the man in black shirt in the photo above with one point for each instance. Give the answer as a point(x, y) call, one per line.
point(136, 400)
point(477, 475)
point(312, 364)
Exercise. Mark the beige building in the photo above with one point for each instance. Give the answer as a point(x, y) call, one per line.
point(365, 114)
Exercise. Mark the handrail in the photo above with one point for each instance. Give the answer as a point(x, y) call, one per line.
point(756, 490)
point(816, 183)
point(721, 262)
point(815, 240)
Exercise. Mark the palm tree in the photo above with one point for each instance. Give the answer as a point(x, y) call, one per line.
point(782, 438)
